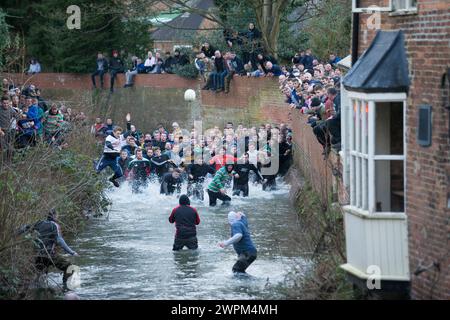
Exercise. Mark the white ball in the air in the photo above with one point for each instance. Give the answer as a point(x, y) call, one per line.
point(189, 95)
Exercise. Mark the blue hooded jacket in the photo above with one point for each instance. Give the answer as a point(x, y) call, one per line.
point(246, 243)
point(33, 113)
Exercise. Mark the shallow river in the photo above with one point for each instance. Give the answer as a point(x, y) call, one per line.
point(129, 254)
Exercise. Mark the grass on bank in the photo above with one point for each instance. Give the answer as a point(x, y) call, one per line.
point(36, 180)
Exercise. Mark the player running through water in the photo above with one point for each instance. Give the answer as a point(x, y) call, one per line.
point(197, 173)
point(216, 189)
point(240, 184)
point(111, 154)
point(171, 182)
point(140, 170)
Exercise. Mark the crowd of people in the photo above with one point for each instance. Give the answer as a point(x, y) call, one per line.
point(215, 161)
point(309, 84)
point(171, 156)
point(152, 64)
point(26, 118)
point(313, 88)
point(216, 68)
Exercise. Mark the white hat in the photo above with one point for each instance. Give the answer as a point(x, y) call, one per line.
point(233, 217)
point(175, 124)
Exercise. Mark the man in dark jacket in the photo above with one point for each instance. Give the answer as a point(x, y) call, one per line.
point(208, 50)
point(196, 176)
point(181, 59)
point(159, 163)
point(140, 170)
point(308, 60)
point(48, 237)
point(240, 184)
point(171, 181)
point(115, 66)
point(220, 72)
point(169, 63)
point(101, 69)
point(185, 218)
point(237, 64)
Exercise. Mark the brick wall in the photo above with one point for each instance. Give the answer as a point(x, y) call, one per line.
point(157, 98)
point(325, 175)
point(427, 36)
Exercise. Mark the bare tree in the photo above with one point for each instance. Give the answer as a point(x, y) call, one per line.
point(269, 15)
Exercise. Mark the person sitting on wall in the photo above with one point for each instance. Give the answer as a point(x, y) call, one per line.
point(181, 59)
point(150, 62)
point(132, 72)
point(157, 69)
point(101, 69)
point(200, 65)
point(169, 63)
point(35, 67)
point(115, 67)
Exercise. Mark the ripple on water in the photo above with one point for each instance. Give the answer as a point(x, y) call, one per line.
point(129, 256)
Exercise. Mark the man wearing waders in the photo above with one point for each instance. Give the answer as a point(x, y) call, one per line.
point(241, 241)
point(48, 237)
point(111, 154)
point(186, 219)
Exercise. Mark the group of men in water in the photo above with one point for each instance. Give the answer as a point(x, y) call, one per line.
point(238, 155)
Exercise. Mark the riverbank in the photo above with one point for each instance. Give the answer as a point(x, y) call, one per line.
point(36, 180)
point(323, 239)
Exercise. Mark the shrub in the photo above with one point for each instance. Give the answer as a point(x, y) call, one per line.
point(187, 71)
point(36, 180)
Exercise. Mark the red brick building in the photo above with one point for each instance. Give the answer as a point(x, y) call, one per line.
point(176, 28)
point(413, 220)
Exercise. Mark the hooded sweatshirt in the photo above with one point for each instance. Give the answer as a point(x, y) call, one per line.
point(185, 218)
point(240, 235)
point(219, 180)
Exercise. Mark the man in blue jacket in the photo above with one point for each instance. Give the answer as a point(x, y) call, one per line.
point(241, 241)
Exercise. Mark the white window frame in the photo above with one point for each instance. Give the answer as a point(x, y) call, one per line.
point(361, 160)
point(372, 8)
point(408, 6)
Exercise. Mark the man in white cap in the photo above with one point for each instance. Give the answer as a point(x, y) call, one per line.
point(241, 241)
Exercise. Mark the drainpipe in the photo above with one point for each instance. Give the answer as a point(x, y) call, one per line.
point(355, 37)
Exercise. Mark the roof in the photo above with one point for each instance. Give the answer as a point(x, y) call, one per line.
point(383, 67)
point(346, 62)
point(183, 25)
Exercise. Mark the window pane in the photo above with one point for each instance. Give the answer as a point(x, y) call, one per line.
point(365, 126)
point(389, 184)
point(365, 188)
point(389, 128)
point(400, 4)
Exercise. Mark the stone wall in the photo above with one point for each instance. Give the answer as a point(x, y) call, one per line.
point(160, 98)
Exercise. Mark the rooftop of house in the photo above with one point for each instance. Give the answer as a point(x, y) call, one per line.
point(176, 25)
point(383, 67)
